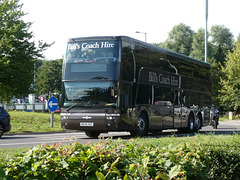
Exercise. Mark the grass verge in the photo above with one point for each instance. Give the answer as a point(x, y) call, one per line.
point(22, 121)
point(7, 153)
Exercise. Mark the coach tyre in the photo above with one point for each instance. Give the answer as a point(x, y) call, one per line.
point(191, 123)
point(198, 123)
point(92, 134)
point(142, 125)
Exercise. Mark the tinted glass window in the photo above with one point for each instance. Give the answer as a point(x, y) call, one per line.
point(158, 60)
point(127, 62)
point(144, 94)
point(92, 51)
point(163, 96)
point(88, 60)
point(190, 69)
point(89, 94)
point(141, 57)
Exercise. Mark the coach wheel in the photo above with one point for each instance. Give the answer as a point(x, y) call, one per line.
point(198, 123)
point(142, 126)
point(92, 134)
point(191, 124)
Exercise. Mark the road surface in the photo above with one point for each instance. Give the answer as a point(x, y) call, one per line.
point(33, 139)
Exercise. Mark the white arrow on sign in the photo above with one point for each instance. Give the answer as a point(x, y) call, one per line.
point(52, 104)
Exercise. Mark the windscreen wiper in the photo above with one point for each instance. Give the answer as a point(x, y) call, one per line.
point(70, 107)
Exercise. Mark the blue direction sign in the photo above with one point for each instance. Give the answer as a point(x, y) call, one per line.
point(52, 104)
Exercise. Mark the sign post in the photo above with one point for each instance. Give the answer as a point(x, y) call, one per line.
point(52, 106)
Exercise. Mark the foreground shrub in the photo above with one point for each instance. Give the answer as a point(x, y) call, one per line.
point(225, 165)
point(124, 160)
point(107, 161)
point(225, 158)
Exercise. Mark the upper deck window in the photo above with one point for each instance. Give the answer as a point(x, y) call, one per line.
point(92, 51)
point(87, 60)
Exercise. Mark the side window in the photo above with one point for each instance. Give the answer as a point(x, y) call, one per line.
point(127, 62)
point(144, 94)
point(141, 57)
point(159, 60)
point(192, 98)
point(177, 98)
point(163, 96)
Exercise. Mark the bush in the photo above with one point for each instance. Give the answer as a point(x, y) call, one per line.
point(125, 160)
point(225, 158)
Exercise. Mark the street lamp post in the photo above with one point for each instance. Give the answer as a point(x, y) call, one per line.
point(143, 33)
point(206, 34)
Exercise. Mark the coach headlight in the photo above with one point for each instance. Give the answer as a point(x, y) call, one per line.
point(112, 116)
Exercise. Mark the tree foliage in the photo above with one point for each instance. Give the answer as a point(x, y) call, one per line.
point(198, 46)
point(180, 39)
point(222, 43)
point(17, 52)
point(238, 38)
point(222, 39)
point(230, 91)
point(49, 77)
point(216, 75)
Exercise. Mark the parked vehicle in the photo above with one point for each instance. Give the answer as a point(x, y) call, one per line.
point(5, 125)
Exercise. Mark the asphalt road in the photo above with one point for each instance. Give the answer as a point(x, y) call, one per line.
point(33, 139)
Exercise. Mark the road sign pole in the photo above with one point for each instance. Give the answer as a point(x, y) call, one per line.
point(52, 106)
point(51, 119)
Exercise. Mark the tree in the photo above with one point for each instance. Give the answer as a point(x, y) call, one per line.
point(180, 39)
point(230, 91)
point(198, 46)
point(17, 52)
point(49, 77)
point(222, 39)
point(238, 38)
point(216, 75)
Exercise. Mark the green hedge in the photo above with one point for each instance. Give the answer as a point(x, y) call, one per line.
point(125, 160)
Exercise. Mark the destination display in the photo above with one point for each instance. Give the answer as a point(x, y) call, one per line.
point(154, 77)
point(91, 45)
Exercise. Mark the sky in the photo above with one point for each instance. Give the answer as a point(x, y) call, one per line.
point(58, 20)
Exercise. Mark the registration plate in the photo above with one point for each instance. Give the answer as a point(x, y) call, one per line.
point(86, 124)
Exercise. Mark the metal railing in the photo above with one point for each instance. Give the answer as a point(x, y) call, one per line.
point(25, 107)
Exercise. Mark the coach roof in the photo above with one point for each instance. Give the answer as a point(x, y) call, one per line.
point(144, 44)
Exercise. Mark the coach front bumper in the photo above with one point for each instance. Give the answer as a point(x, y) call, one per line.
point(101, 122)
